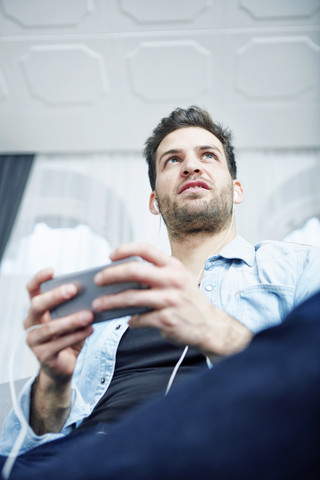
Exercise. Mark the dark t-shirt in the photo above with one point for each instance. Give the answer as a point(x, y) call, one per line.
point(144, 364)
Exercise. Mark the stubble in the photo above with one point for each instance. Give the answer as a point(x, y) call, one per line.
point(195, 215)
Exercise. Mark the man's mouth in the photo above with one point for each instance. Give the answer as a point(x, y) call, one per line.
point(194, 185)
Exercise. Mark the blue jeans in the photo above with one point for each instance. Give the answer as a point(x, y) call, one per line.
point(255, 416)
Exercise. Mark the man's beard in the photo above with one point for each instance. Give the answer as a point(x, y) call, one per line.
point(197, 215)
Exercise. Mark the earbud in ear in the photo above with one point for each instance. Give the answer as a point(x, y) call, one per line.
point(235, 196)
point(156, 206)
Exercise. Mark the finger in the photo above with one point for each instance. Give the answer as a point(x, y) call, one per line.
point(59, 328)
point(45, 301)
point(33, 286)
point(170, 326)
point(150, 319)
point(144, 250)
point(144, 273)
point(164, 321)
point(153, 299)
point(51, 349)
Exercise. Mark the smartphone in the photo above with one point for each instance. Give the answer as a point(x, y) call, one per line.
point(88, 291)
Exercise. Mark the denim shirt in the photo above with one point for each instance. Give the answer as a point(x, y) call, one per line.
point(257, 285)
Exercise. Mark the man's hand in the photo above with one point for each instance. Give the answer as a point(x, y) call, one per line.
point(180, 311)
point(56, 344)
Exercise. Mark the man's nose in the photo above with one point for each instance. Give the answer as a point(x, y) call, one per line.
point(190, 166)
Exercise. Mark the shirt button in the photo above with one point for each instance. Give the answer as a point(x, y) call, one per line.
point(102, 380)
point(117, 327)
point(208, 288)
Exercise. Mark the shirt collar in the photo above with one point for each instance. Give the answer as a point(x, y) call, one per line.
point(239, 249)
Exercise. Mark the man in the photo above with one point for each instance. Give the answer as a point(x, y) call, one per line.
point(213, 294)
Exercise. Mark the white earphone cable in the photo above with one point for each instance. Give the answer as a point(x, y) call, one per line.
point(185, 351)
point(176, 368)
point(8, 465)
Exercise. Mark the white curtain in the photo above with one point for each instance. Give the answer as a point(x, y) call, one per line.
point(76, 208)
point(281, 192)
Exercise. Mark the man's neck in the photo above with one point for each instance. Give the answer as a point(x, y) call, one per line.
point(193, 250)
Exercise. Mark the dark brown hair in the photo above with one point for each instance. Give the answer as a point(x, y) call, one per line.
point(191, 117)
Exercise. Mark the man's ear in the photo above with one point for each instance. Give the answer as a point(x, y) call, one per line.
point(153, 204)
point(237, 188)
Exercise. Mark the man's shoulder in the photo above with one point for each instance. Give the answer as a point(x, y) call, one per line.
point(270, 250)
point(276, 247)
point(291, 260)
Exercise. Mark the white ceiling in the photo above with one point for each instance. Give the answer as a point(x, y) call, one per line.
point(97, 75)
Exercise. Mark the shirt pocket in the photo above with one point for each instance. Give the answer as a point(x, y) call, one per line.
point(262, 306)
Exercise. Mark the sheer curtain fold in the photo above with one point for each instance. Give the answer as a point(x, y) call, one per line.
point(14, 173)
point(75, 209)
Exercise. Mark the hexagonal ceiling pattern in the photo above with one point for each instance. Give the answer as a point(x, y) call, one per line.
point(75, 75)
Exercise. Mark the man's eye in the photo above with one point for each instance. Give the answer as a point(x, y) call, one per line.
point(209, 155)
point(172, 160)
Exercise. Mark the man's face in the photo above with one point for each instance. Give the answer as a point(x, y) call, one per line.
point(194, 188)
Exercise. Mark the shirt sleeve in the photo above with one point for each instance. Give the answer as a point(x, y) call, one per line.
point(12, 426)
point(308, 282)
